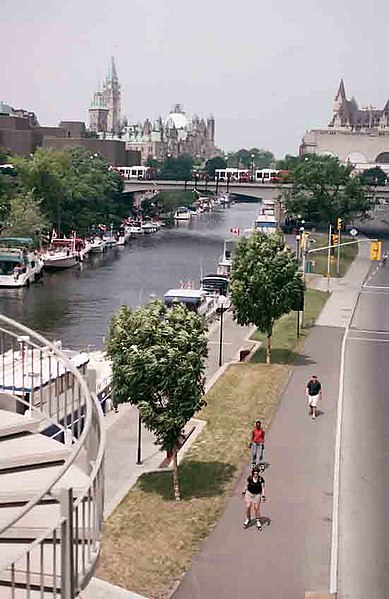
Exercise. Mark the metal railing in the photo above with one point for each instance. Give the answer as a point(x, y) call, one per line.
point(57, 554)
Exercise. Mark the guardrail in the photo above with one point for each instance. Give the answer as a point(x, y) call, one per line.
point(57, 556)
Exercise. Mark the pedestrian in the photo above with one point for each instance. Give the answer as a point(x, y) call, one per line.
point(257, 443)
point(385, 259)
point(313, 392)
point(254, 493)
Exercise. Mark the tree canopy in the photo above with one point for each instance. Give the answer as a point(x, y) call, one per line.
point(178, 169)
point(213, 163)
point(158, 356)
point(323, 189)
point(256, 157)
point(373, 176)
point(23, 218)
point(265, 282)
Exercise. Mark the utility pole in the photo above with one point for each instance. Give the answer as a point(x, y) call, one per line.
point(339, 228)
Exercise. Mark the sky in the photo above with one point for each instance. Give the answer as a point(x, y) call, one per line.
point(268, 71)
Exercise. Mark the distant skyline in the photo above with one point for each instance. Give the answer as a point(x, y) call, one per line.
point(268, 72)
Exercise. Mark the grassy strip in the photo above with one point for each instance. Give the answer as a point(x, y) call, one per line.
point(347, 255)
point(149, 540)
point(285, 344)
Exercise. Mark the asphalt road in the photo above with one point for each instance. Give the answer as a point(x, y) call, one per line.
point(364, 476)
point(291, 555)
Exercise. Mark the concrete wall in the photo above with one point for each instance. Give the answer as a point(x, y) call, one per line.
point(73, 128)
point(346, 145)
point(113, 151)
point(18, 142)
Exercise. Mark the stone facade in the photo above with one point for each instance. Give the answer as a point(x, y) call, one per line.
point(157, 139)
point(359, 136)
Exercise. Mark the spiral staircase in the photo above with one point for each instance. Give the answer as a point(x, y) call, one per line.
point(51, 470)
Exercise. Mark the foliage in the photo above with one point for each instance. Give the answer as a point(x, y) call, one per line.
point(373, 176)
point(77, 188)
point(153, 162)
point(324, 189)
point(255, 157)
point(289, 163)
point(5, 155)
point(24, 217)
point(265, 282)
point(158, 358)
point(178, 169)
point(213, 163)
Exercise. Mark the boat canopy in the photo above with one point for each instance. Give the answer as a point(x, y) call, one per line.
point(215, 283)
point(16, 241)
point(189, 297)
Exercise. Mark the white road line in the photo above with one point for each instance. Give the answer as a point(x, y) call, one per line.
point(369, 339)
point(376, 287)
point(334, 556)
point(371, 331)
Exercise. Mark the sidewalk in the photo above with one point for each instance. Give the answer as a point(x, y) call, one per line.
point(291, 556)
point(121, 469)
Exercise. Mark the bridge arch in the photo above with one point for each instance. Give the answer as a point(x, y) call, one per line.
point(382, 158)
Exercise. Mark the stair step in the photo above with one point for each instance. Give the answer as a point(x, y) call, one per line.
point(10, 552)
point(37, 521)
point(26, 484)
point(12, 424)
point(31, 450)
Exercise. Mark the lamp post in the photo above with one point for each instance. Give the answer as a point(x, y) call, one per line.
point(228, 181)
point(139, 441)
point(217, 183)
point(221, 305)
point(252, 167)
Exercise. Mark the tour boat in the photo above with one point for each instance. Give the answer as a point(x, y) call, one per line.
point(196, 300)
point(182, 213)
point(19, 264)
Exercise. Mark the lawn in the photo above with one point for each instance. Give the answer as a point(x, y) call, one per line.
point(149, 540)
point(347, 255)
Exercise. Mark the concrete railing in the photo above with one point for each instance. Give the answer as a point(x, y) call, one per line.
point(52, 537)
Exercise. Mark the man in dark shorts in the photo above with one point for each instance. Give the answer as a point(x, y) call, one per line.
point(313, 392)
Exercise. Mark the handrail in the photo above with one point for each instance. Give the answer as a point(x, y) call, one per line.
point(92, 410)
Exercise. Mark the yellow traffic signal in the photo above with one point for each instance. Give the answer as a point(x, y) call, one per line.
point(335, 239)
point(375, 250)
point(339, 222)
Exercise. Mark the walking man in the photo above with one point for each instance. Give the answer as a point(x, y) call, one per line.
point(254, 493)
point(257, 443)
point(313, 392)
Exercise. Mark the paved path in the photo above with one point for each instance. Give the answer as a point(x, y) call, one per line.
point(292, 555)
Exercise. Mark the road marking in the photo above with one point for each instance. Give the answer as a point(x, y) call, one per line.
point(376, 287)
point(218, 342)
point(372, 331)
point(369, 339)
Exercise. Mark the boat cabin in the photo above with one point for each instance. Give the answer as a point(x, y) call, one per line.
point(195, 300)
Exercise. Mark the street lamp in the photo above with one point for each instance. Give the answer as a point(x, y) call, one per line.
point(222, 303)
point(139, 441)
point(252, 167)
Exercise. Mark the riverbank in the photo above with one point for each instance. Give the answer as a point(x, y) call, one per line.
point(150, 540)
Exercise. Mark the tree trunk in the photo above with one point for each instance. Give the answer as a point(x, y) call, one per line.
point(268, 349)
point(176, 485)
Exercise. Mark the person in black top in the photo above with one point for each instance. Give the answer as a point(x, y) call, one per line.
point(313, 392)
point(253, 494)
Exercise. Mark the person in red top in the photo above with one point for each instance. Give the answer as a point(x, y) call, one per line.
point(257, 443)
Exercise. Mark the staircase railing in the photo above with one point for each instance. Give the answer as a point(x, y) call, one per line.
point(38, 379)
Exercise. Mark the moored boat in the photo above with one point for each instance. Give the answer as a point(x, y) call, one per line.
point(195, 300)
point(182, 213)
point(20, 265)
point(63, 253)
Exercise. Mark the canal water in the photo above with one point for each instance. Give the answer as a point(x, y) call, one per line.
point(76, 305)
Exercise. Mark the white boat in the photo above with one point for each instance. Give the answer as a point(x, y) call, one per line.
point(124, 236)
point(109, 239)
point(224, 267)
point(135, 229)
point(182, 213)
point(97, 245)
point(266, 224)
point(65, 253)
point(196, 300)
point(149, 227)
point(19, 264)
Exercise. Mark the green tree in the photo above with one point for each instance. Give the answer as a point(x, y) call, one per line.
point(177, 169)
point(265, 282)
point(289, 163)
point(153, 162)
point(158, 356)
point(24, 218)
point(213, 163)
point(245, 159)
point(324, 189)
point(373, 176)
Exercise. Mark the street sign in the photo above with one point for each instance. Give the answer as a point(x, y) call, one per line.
point(353, 232)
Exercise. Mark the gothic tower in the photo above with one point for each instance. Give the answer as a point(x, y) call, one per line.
point(112, 95)
point(98, 113)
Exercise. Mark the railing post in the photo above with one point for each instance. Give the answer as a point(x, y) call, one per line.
point(67, 563)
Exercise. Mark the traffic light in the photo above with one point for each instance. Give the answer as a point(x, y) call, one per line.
point(339, 222)
point(375, 250)
point(335, 239)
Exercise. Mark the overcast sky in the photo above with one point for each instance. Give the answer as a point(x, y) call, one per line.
point(268, 71)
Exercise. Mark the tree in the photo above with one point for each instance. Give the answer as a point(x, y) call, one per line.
point(177, 169)
point(153, 162)
point(289, 163)
point(265, 283)
point(158, 358)
point(373, 176)
point(324, 189)
point(213, 163)
point(24, 218)
point(256, 157)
